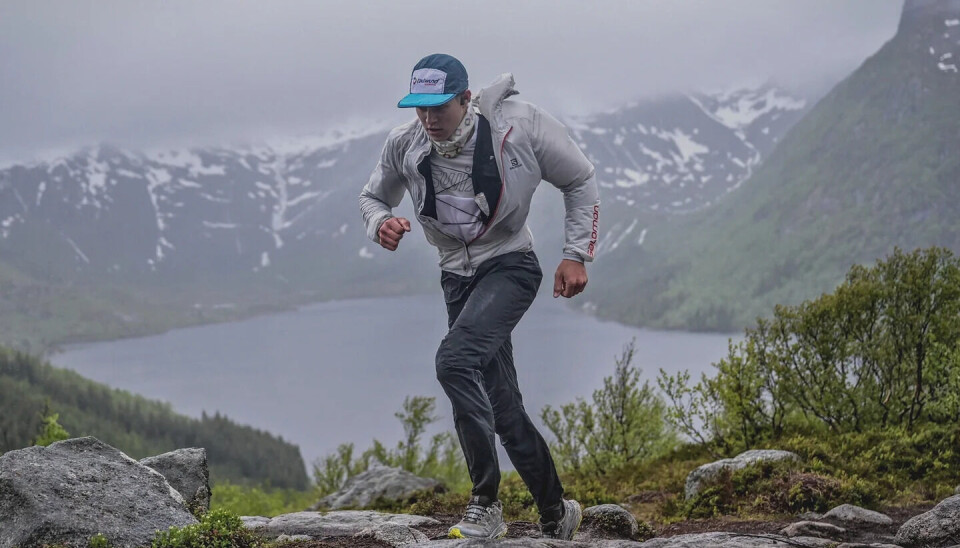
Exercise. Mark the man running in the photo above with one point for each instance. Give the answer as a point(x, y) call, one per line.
point(471, 166)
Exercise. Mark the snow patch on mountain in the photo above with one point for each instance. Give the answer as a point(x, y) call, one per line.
point(946, 61)
point(738, 108)
point(80, 254)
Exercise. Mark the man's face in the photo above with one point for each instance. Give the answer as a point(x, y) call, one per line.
point(440, 122)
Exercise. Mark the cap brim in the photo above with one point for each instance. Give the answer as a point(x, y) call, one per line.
point(425, 99)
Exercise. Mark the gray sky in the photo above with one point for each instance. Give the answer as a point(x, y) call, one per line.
point(180, 72)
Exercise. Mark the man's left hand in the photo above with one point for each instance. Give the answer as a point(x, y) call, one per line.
point(570, 279)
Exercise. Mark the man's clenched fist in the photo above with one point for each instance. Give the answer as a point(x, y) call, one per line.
point(570, 279)
point(391, 231)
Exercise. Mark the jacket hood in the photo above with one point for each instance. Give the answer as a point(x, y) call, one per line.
point(489, 100)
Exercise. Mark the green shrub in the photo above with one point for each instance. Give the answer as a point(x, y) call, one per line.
point(517, 501)
point(217, 529)
point(440, 503)
point(50, 429)
point(774, 488)
point(591, 491)
point(98, 541)
point(623, 425)
point(882, 351)
point(894, 462)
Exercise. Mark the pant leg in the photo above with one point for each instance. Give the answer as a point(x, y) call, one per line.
point(483, 311)
point(527, 449)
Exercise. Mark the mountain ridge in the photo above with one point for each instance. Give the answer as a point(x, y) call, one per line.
point(254, 226)
point(872, 166)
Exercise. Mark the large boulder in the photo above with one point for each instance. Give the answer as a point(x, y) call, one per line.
point(382, 482)
point(711, 471)
point(75, 489)
point(938, 527)
point(186, 470)
point(344, 523)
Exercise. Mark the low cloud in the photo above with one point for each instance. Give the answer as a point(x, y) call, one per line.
point(181, 72)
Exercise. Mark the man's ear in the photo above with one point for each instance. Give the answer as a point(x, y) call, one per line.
point(465, 97)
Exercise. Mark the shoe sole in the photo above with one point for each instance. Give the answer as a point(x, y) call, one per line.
point(456, 533)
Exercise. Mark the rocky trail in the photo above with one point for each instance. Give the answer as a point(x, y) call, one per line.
point(72, 490)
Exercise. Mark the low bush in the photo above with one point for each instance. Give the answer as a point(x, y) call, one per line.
point(775, 488)
point(217, 529)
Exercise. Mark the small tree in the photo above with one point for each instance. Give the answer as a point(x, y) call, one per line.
point(441, 459)
point(623, 425)
point(331, 471)
point(50, 430)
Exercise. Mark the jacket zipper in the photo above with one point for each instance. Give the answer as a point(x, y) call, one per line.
point(502, 189)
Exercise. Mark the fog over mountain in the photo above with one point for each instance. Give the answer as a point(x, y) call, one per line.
point(142, 74)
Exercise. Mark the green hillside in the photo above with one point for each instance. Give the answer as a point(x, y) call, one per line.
point(135, 425)
point(876, 164)
point(38, 315)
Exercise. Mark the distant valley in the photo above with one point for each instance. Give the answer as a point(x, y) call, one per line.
point(142, 241)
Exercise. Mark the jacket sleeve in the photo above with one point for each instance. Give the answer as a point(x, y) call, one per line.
point(564, 165)
point(383, 191)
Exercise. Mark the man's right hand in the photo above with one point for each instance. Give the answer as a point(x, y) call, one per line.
point(391, 231)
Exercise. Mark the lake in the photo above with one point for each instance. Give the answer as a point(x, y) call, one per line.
point(336, 372)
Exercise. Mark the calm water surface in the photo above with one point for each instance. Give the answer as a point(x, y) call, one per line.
point(337, 372)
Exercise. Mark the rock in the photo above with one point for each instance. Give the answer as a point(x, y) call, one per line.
point(938, 527)
point(77, 488)
point(813, 529)
point(524, 543)
point(343, 523)
point(861, 545)
point(814, 542)
point(610, 519)
point(711, 471)
point(957, 490)
point(252, 522)
point(810, 516)
point(293, 538)
point(849, 514)
point(394, 534)
point(720, 540)
point(185, 470)
point(381, 482)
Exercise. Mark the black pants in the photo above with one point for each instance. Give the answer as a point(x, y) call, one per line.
point(475, 367)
